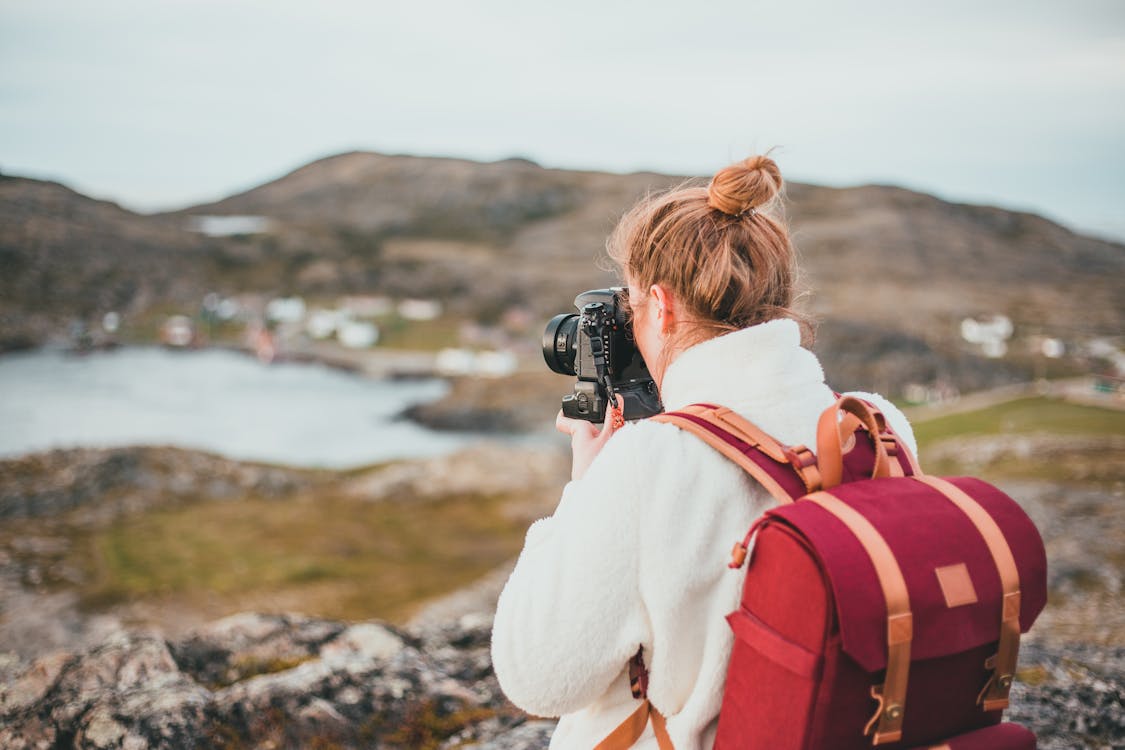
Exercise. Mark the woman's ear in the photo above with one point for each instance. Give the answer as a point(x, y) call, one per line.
point(664, 303)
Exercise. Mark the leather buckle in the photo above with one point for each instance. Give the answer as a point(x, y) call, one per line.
point(804, 461)
point(800, 456)
point(886, 724)
point(994, 695)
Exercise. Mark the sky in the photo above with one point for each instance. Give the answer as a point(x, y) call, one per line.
point(160, 104)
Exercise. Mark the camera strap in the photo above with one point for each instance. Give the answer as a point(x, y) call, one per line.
point(597, 351)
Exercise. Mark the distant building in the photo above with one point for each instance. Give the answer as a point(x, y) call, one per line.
point(367, 306)
point(420, 309)
point(487, 364)
point(322, 324)
point(990, 334)
point(286, 310)
point(228, 226)
point(177, 331)
point(356, 334)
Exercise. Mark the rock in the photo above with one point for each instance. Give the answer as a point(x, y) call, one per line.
point(531, 735)
point(483, 469)
point(101, 730)
point(105, 483)
point(332, 684)
point(30, 733)
point(1071, 695)
point(244, 645)
point(33, 685)
point(126, 692)
point(262, 680)
point(366, 640)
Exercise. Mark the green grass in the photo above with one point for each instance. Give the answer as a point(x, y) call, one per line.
point(1030, 416)
point(327, 554)
point(1025, 415)
point(424, 335)
point(334, 557)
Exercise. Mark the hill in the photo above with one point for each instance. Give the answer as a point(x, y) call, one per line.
point(891, 271)
point(878, 238)
point(65, 257)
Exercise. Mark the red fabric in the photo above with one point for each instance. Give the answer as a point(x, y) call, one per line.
point(1023, 538)
point(783, 474)
point(768, 643)
point(924, 531)
point(767, 704)
point(810, 635)
point(1005, 736)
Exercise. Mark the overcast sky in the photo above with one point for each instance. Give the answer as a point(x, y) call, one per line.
point(163, 103)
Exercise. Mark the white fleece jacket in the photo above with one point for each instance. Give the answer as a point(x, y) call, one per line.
point(636, 552)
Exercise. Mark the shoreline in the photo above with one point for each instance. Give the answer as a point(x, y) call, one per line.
point(141, 395)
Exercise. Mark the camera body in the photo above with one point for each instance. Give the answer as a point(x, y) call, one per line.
point(597, 345)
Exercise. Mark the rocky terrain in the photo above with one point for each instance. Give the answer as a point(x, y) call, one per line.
point(259, 680)
point(264, 681)
point(270, 681)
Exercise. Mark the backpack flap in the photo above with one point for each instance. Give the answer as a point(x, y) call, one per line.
point(955, 590)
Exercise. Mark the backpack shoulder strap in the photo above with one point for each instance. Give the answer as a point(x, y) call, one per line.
point(786, 473)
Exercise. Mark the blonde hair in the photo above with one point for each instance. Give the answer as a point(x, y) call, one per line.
point(723, 251)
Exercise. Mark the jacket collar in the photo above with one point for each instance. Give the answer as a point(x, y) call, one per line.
point(750, 371)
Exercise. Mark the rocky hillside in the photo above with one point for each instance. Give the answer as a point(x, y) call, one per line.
point(65, 257)
point(892, 271)
point(538, 228)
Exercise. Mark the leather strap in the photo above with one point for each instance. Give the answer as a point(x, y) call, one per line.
point(904, 455)
point(830, 439)
point(629, 731)
point(994, 696)
point(891, 695)
point(741, 428)
point(799, 458)
point(726, 423)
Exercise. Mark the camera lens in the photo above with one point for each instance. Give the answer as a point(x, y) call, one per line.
point(559, 343)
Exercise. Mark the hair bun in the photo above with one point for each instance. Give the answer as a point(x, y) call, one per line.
point(748, 184)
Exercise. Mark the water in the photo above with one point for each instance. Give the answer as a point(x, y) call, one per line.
point(218, 401)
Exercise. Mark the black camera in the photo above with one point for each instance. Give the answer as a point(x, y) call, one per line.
point(597, 346)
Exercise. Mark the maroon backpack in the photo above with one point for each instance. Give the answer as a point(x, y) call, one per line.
point(881, 606)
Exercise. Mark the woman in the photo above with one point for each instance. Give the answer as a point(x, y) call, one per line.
point(636, 553)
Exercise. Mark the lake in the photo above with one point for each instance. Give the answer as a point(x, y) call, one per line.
point(299, 414)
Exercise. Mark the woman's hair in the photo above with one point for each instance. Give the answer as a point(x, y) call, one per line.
point(723, 250)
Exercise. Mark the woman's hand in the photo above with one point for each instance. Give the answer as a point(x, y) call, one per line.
point(586, 440)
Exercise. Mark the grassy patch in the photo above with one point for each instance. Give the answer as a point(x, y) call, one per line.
point(1033, 438)
point(426, 724)
point(1025, 415)
point(330, 556)
point(423, 335)
point(1033, 676)
point(245, 667)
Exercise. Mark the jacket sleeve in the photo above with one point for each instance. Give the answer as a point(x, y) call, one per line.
point(570, 615)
